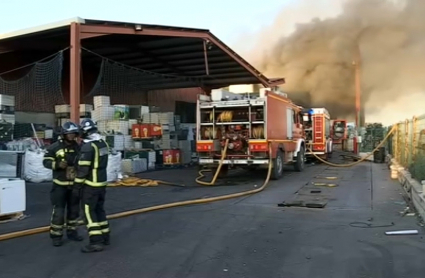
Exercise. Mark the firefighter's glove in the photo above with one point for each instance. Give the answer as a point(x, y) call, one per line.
point(63, 164)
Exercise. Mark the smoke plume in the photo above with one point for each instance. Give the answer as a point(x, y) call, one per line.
point(316, 56)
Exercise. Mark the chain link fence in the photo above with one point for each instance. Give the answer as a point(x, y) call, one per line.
point(407, 146)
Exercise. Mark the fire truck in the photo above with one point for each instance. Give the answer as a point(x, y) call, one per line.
point(317, 132)
point(249, 125)
point(339, 131)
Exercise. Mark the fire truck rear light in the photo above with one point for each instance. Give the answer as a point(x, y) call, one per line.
point(205, 147)
point(258, 147)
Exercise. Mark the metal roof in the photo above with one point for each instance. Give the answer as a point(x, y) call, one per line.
point(195, 55)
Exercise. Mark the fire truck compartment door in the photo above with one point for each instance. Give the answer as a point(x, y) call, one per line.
point(289, 122)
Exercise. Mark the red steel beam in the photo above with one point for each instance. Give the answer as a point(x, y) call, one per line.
point(207, 69)
point(358, 90)
point(130, 30)
point(75, 66)
point(110, 30)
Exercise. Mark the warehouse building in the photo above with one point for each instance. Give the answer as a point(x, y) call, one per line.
point(57, 72)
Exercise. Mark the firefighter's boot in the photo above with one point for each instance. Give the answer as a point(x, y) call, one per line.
point(57, 241)
point(106, 240)
point(74, 236)
point(91, 248)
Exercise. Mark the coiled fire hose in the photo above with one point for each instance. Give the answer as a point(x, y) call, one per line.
point(258, 132)
point(359, 161)
point(225, 116)
point(154, 208)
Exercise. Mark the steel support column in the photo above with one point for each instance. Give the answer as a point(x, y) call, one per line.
point(358, 90)
point(207, 68)
point(75, 72)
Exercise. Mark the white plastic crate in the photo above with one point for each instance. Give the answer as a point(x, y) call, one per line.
point(144, 110)
point(7, 100)
point(166, 118)
point(128, 142)
point(138, 145)
point(132, 122)
point(8, 118)
point(119, 142)
point(86, 108)
point(100, 101)
point(101, 126)
point(152, 156)
point(134, 166)
point(63, 108)
point(48, 133)
point(151, 118)
point(62, 121)
point(117, 127)
point(103, 113)
point(219, 94)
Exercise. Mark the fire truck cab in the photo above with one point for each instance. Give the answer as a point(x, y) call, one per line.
point(317, 132)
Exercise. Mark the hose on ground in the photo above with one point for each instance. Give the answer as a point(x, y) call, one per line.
point(135, 181)
point(217, 172)
point(153, 208)
point(359, 161)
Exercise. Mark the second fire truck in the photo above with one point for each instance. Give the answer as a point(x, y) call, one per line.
point(317, 127)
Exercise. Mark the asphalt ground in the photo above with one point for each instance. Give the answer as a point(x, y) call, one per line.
point(244, 237)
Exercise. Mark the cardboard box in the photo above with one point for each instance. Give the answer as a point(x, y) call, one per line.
point(135, 131)
point(171, 157)
point(155, 130)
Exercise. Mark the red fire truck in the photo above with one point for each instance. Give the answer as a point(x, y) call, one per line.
point(249, 124)
point(317, 132)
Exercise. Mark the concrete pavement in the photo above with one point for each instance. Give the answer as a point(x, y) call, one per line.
point(244, 237)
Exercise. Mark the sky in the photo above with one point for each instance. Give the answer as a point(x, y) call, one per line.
point(228, 20)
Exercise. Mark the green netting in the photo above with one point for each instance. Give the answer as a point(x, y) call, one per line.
point(125, 84)
point(40, 89)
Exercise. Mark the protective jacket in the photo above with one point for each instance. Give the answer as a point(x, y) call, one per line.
point(92, 162)
point(60, 151)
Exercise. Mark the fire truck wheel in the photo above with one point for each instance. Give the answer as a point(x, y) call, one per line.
point(277, 166)
point(299, 164)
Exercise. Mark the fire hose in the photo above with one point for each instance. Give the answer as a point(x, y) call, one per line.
point(39, 230)
point(359, 161)
point(217, 172)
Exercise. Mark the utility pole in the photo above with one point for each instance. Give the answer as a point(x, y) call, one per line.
point(358, 88)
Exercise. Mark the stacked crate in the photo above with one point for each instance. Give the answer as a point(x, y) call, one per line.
point(103, 110)
point(7, 109)
point(112, 120)
point(7, 117)
point(185, 151)
point(169, 138)
point(63, 113)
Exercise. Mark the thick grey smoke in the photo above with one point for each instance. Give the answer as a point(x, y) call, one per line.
point(316, 58)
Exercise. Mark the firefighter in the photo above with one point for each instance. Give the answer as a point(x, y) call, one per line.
point(90, 183)
point(61, 157)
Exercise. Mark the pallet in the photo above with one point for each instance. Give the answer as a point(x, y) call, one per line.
point(11, 217)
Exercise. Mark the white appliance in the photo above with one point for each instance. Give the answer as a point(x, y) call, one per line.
point(12, 196)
